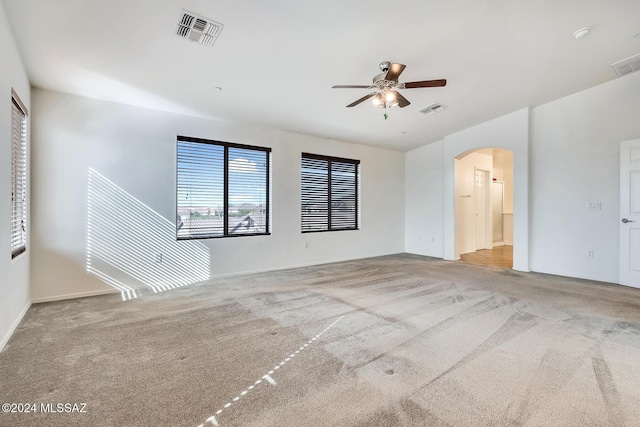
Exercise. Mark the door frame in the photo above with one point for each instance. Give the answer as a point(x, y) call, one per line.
point(627, 277)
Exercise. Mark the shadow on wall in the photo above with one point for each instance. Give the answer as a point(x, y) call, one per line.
point(133, 248)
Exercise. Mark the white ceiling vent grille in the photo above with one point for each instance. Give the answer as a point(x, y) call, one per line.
point(627, 66)
point(436, 107)
point(198, 29)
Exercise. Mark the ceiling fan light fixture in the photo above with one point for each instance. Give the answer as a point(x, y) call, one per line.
point(390, 95)
point(377, 99)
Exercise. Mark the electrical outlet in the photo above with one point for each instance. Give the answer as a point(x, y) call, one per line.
point(159, 258)
point(306, 245)
point(590, 253)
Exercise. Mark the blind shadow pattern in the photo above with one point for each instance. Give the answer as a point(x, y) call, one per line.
point(133, 248)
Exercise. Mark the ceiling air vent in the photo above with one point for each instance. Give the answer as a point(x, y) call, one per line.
point(627, 66)
point(436, 107)
point(198, 29)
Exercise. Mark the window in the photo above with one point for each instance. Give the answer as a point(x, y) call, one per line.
point(18, 176)
point(223, 189)
point(329, 193)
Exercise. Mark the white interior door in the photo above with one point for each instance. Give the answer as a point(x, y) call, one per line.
point(630, 213)
point(481, 208)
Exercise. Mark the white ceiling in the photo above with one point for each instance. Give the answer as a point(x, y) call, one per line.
point(277, 60)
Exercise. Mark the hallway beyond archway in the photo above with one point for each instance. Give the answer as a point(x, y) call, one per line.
point(484, 208)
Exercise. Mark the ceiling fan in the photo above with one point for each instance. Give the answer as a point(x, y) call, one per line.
point(386, 85)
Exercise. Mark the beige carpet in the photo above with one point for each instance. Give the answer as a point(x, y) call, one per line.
point(392, 341)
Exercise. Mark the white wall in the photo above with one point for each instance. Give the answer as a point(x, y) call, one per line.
point(465, 208)
point(429, 193)
point(575, 153)
point(131, 152)
point(424, 198)
point(503, 171)
point(14, 273)
point(507, 225)
point(510, 132)
point(574, 158)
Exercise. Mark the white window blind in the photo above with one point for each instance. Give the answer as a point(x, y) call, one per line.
point(18, 177)
point(223, 189)
point(329, 193)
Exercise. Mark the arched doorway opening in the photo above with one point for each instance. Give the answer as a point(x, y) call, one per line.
point(483, 195)
point(510, 132)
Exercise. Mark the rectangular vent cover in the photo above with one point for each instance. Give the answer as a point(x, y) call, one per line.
point(627, 66)
point(198, 29)
point(436, 107)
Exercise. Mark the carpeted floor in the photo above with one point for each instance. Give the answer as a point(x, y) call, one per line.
point(392, 341)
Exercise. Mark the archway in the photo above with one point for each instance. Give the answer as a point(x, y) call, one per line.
point(483, 185)
point(510, 132)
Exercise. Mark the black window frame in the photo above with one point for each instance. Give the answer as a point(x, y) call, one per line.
point(330, 160)
point(226, 146)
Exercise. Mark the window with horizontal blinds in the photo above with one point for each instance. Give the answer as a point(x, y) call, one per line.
point(329, 189)
point(223, 189)
point(18, 177)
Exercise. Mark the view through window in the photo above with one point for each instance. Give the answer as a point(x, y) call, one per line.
point(223, 189)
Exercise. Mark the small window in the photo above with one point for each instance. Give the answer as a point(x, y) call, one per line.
point(329, 193)
point(18, 176)
point(223, 189)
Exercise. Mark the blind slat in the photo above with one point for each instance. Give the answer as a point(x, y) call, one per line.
point(18, 178)
point(329, 193)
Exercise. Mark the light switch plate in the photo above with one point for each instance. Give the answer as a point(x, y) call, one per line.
point(594, 206)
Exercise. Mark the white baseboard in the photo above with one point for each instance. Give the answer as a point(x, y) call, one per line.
point(74, 295)
point(291, 267)
point(212, 277)
point(577, 276)
point(13, 327)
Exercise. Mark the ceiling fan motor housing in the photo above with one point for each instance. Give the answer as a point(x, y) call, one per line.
point(380, 82)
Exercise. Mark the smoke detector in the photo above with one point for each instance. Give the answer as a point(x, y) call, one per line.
point(197, 28)
point(626, 66)
point(436, 107)
point(582, 33)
